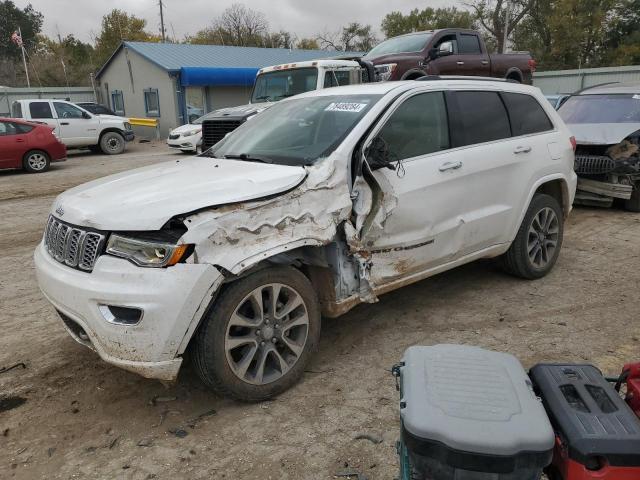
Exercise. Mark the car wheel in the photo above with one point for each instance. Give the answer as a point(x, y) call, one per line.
point(536, 247)
point(112, 143)
point(256, 340)
point(633, 204)
point(36, 161)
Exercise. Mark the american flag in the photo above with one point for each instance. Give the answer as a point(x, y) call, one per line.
point(16, 38)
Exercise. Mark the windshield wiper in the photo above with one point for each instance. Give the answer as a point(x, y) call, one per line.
point(248, 158)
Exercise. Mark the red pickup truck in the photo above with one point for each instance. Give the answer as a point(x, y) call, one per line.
point(451, 51)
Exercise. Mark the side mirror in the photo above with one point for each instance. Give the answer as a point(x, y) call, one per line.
point(433, 53)
point(378, 155)
point(445, 49)
point(85, 115)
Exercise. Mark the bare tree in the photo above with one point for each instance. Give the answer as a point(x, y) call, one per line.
point(353, 36)
point(243, 26)
point(492, 14)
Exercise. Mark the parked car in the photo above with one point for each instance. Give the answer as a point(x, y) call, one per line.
point(450, 51)
point(96, 108)
point(29, 146)
point(323, 201)
point(605, 121)
point(279, 82)
point(557, 99)
point(75, 126)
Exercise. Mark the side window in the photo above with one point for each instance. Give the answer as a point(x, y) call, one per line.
point(7, 128)
point(419, 126)
point(40, 110)
point(526, 114)
point(64, 110)
point(151, 102)
point(469, 44)
point(117, 100)
point(20, 128)
point(481, 117)
point(333, 78)
point(449, 38)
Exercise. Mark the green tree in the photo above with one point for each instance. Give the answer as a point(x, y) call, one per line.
point(67, 60)
point(308, 44)
point(12, 17)
point(491, 15)
point(396, 23)
point(622, 46)
point(118, 26)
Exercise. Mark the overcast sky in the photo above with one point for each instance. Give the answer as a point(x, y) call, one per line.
point(305, 18)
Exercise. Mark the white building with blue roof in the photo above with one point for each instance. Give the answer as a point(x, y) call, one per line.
point(178, 82)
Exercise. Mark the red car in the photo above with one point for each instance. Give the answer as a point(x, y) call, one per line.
point(27, 145)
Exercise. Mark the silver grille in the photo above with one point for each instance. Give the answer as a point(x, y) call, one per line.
point(593, 164)
point(71, 245)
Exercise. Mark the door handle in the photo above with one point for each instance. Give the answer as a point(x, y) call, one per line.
point(460, 62)
point(64, 123)
point(450, 166)
point(20, 140)
point(522, 150)
point(485, 62)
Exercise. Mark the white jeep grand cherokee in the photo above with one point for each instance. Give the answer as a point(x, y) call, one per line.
point(321, 202)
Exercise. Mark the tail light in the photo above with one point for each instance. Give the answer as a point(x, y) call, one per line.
point(532, 65)
point(572, 139)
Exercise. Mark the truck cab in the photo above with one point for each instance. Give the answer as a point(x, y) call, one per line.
point(279, 82)
point(75, 126)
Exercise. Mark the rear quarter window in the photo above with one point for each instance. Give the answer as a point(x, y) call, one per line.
point(40, 110)
point(526, 114)
point(469, 44)
point(479, 117)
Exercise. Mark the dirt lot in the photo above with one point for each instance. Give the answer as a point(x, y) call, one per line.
point(82, 418)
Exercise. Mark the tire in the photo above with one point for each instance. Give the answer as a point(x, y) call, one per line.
point(534, 251)
point(112, 143)
point(633, 204)
point(229, 356)
point(36, 161)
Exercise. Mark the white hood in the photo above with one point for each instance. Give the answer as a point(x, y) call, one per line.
point(111, 119)
point(185, 128)
point(602, 133)
point(146, 198)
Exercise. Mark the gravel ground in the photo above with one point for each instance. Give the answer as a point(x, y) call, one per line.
point(82, 418)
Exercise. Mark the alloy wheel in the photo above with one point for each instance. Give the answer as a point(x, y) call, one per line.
point(267, 334)
point(542, 240)
point(37, 161)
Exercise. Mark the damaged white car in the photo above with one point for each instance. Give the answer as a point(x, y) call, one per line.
point(324, 201)
point(605, 121)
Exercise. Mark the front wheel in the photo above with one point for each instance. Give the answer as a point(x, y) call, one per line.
point(112, 143)
point(259, 335)
point(536, 247)
point(36, 161)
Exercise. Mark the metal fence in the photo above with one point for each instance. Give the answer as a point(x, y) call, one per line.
point(569, 81)
point(73, 94)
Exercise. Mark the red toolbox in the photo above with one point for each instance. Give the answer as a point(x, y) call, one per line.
point(631, 376)
point(597, 433)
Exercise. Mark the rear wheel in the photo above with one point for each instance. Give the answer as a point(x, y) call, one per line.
point(36, 161)
point(536, 247)
point(112, 143)
point(259, 335)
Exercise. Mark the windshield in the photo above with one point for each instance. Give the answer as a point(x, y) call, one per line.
point(296, 132)
point(274, 86)
point(612, 108)
point(404, 44)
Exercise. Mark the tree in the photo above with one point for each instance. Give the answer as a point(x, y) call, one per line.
point(492, 14)
point(67, 61)
point(242, 26)
point(308, 44)
point(622, 46)
point(118, 26)
point(395, 23)
point(12, 18)
point(352, 37)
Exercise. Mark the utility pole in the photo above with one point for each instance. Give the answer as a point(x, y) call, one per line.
point(161, 22)
point(506, 27)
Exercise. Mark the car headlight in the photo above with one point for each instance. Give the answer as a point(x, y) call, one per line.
point(191, 132)
point(146, 253)
point(385, 71)
point(127, 126)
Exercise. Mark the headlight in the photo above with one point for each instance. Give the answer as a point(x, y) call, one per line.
point(191, 132)
point(127, 126)
point(146, 253)
point(385, 71)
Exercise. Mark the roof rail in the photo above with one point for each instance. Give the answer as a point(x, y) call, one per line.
point(577, 92)
point(428, 78)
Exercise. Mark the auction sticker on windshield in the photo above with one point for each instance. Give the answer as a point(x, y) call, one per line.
point(345, 107)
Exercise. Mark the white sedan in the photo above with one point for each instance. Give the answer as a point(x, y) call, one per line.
point(187, 138)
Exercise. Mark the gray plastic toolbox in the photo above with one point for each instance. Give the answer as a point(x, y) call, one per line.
point(471, 414)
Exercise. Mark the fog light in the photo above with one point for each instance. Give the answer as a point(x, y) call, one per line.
point(121, 315)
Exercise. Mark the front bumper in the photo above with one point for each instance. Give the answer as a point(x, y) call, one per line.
point(185, 143)
point(129, 136)
point(172, 299)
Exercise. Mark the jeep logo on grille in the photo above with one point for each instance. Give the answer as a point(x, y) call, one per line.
point(60, 210)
